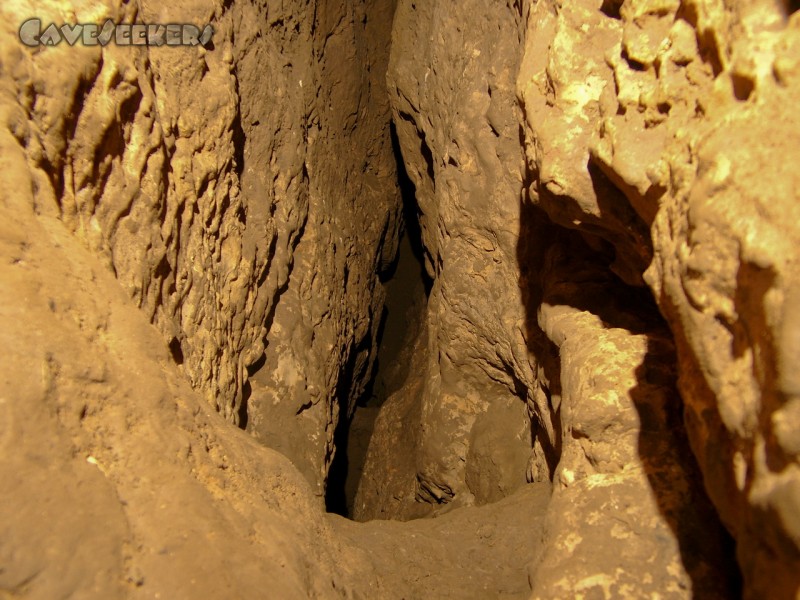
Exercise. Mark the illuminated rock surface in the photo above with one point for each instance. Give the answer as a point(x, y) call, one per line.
point(525, 272)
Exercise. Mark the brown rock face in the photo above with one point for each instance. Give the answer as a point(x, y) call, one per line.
point(451, 81)
point(206, 293)
point(639, 123)
point(219, 187)
point(322, 342)
point(244, 197)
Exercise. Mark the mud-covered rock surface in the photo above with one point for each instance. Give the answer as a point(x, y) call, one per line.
point(584, 170)
point(516, 282)
point(244, 194)
point(117, 479)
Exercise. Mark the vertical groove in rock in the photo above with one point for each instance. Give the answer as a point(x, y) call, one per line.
point(594, 374)
point(460, 142)
point(619, 111)
point(322, 344)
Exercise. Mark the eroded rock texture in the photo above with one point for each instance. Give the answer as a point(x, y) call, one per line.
point(676, 98)
point(452, 81)
point(244, 196)
point(117, 480)
point(322, 340)
point(195, 241)
point(654, 138)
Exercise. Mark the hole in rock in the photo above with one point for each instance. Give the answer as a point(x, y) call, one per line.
point(407, 285)
point(742, 86)
point(176, 351)
point(611, 8)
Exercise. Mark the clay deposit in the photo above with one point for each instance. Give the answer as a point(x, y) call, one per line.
point(402, 299)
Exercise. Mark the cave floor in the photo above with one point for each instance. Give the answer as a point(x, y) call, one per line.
point(469, 552)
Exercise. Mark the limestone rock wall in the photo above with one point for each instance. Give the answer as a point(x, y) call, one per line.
point(626, 480)
point(117, 480)
point(452, 85)
point(322, 343)
point(244, 196)
point(666, 117)
point(652, 140)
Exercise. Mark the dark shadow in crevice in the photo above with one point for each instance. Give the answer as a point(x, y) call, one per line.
point(176, 351)
point(566, 267)
point(536, 233)
point(424, 149)
point(239, 140)
point(408, 285)
point(743, 86)
point(705, 545)
point(548, 356)
point(349, 389)
point(247, 389)
point(611, 8)
point(411, 213)
point(628, 229)
point(335, 494)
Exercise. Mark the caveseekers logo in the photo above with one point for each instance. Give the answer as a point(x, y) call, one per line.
point(122, 34)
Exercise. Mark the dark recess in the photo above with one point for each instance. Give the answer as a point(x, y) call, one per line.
point(176, 351)
point(411, 213)
point(742, 86)
point(347, 387)
point(247, 390)
point(611, 8)
point(345, 466)
point(335, 496)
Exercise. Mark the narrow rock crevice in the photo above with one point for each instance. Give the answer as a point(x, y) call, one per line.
point(401, 299)
point(406, 285)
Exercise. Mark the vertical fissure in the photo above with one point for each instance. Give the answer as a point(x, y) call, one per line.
point(406, 284)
